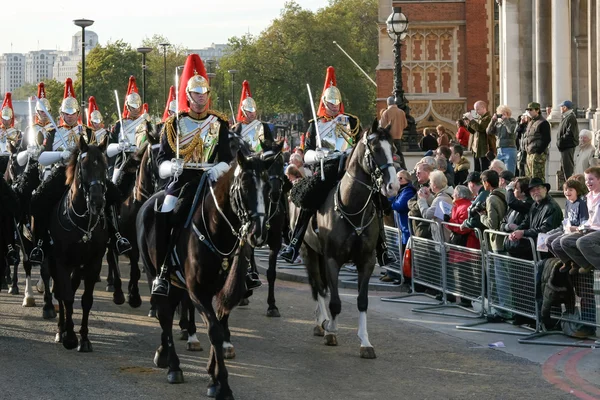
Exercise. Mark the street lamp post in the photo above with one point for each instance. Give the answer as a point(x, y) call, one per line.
point(397, 28)
point(164, 46)
point(83, 23)
point(233, 72)
point(144, 51)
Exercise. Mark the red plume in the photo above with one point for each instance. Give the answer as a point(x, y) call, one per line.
point(245, 93)
point(92, 106)
point(131, 88)
point(193, 66)
point(169, 100)
point(8, 103)
point(329, 81)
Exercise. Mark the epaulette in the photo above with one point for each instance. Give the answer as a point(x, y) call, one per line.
point(219, 115)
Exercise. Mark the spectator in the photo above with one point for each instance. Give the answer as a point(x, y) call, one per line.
point(479, 138)
point(420, 229)
point(461, 164)
point(503, 126)
point(462, 135)
point(537, 140)
point(582, 247)
point(568, 137)
point(428, 141)
point(446, 153)
point(297, 160)
point(498, 166)
point(480, 194)
point(442, 165)
point(521, 145)
point(544, 215)
point(400, 206)
point(460, 212)
point(576, 213)
point(430, 198)
point(293, 173)
point(443, 137)
point(396, 119)
point(519, 202)
point(506, 177)
point(584, 154)
point(491, 218)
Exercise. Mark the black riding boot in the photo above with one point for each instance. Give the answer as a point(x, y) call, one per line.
point(290, 253)
point(122, 245)
point(384, 257)
point(164, 233)
point(252, 279)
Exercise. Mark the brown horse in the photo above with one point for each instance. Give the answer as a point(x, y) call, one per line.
point(213, 249)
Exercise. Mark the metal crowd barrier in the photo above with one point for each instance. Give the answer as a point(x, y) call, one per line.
point(447, 268)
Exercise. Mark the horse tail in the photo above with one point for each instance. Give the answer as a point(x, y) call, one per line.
point(234, 289)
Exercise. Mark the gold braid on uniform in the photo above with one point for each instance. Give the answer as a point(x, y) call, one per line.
point(356, 129)
point(194, 149)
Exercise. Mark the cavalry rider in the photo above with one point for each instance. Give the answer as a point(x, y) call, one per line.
point(95, 123)
point(337, 131)
point(8, 199)
point(252, 130)
point(59, 145)
point(136, 127)
point(170, 109)
point(203, 137)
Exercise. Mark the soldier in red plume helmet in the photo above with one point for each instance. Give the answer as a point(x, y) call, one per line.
point(95, 122)
point(8, 133)
point(203, 136)
point(250, 129)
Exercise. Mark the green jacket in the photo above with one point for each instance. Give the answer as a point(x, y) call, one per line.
point(479, 137)
point(495, 206)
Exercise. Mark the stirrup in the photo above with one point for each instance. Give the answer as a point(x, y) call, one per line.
point(289, 254)
point(386, 258)
point(252, 281)
point(160, 287)
point(37, 254)
point(122, 245)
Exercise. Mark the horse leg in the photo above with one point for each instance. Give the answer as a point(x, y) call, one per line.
point(272, 311)
point(193, 344)
point(364, 274)
point(28, 299)
point(115, 284)
point(166, 309)
point(133, 297)
point(87, 300)
point(48, 311)
point(69, 338)
point(183, 317)
point(14, 288)
point(219, 385)
point(152, 311)
point(228, 349)
point(335, 304)
point(61, 321)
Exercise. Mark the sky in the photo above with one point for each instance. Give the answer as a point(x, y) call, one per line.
point(48, 25)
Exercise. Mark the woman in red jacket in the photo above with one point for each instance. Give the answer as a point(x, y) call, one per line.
point(463, 134)
point(460, 212)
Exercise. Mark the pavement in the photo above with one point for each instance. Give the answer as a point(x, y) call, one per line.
point(419, 356)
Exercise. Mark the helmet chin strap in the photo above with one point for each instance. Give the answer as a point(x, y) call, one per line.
point(192, 101)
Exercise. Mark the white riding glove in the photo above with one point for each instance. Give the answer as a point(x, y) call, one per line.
point(65, 155)
point(217, 171)
point(176, 167)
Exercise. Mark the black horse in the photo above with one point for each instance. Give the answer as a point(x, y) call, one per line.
point(348, 229)
point(79, 234)
point(214, 251)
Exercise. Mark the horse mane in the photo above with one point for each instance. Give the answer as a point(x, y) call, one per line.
point(223, 184)
point(72, 166)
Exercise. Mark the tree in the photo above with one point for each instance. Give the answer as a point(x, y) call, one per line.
point(54, 93)
point(108, 68)
point(297, 48)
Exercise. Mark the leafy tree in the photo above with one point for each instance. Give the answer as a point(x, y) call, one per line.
point(54, 93)
point(297, 48)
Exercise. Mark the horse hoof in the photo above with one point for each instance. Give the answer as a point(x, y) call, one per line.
point(29, 302)
point(244, 302)
point(13, 290)
point(118, 298)
point(39, 286)
point(184, 335)
point(58, 338)
point(273, 313)
point(211, 391)
point(152, 313)
point(331, 339)
point(85, 347)
point(229, 353)
point(175, 377)
point(69, 340)
point(367, 352)
point(160, 360)
point(110, 287)
point(318, 331)
point(194, 346)
point(49, 313)
point(134, 300)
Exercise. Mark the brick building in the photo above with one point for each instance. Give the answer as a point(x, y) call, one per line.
point(449, 58)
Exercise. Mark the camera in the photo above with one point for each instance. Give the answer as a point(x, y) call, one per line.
point(498, 116)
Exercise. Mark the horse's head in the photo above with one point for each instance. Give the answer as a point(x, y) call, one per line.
point(87, 172)
point(273, 158)
point(378, 161)
point(248, 193)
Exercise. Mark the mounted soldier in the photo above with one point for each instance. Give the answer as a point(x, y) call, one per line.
point(8, 134)
point(59, 144)
point(338, 131)
point(194, 141)
point(136, 126)
point(95, 123)
point(248, 127)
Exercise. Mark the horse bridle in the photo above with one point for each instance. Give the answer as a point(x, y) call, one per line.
point(376, 171)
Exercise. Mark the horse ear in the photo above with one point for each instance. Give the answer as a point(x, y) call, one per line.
point(375, 126)
point(241, 159)
point(83, 146)
point(103, 144)
point(11, 149)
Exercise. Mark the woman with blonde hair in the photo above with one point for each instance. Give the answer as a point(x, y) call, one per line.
point(503, 127)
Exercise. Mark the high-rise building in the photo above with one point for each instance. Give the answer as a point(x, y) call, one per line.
point(39, 65)
point(65, 65)
point(213, 52)
point(12, 71)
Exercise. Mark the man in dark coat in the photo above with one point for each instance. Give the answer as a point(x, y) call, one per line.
point(568, 138)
